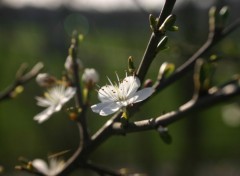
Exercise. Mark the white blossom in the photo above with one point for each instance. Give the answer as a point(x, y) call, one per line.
point(50, 169)
point(114, 97)
point(90, 76)
point(53, 100)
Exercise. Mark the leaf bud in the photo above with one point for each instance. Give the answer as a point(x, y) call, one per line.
point(162, 44)
point(168, 24)
point(164, 134)
point(166, 70)
point(131, 67)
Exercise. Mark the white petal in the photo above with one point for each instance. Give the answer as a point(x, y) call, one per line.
point(98, 107)
point(70, 92)
point(141, 95)
point(129, 86)
point(43, 102)
point(44, 115)
point(107, 93)
point(40, 165)
point(110, 109)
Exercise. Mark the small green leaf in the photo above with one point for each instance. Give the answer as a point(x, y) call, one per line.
point(162, 44)
point(131, 67)
point(164, 134)
point(168, 23)
point(153, 23)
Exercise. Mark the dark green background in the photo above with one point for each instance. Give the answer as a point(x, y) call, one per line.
point(202, 143)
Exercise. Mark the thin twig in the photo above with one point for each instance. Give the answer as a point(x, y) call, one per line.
point(150, 51)
point(188, 65)
point(71, 162)
point(21, 79)
point(102, 170)
point(228, 91)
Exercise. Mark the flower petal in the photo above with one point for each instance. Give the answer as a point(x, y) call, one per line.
point(141, 95)
point(129, 86)
point(70, 92)
point(107, 93)
point(110, 109)
point(44, 115)
point(40, 165)
point(98, 107)
point(43, 102)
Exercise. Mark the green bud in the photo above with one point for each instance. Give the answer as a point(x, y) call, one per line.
point(203, 74)
point(131, 67)
point(222, 17)
point(224, 12)
point(214, 58)
point(166, 70)
point(18, 90)
point(162, 44)
point(173, 28)
point(153, 23)
point(164, 134)
point(80, 37)
point(168, 23)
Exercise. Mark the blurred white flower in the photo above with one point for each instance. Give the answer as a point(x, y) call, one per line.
point(55, 166)
point(115, 97)
point(53, 99)
point(69, 64)
point(90, 76)
point(45, 80)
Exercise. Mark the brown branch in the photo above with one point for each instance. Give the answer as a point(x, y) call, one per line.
point(150, 52)
point(228, 91)
point(21, 79)
point(102, 171)
point(213, 39)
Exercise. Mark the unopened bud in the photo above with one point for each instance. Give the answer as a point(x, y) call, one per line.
point(148, 83)
point(168, 24)
point(131, 67)
point(45, 80)
point(166, 70)
point(18, 90)
point(162, 45)
point(90, 77)
point(69, 64)
point(223, 15)
point(153, 23)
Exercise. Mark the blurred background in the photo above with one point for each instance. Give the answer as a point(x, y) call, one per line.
point(204, 143)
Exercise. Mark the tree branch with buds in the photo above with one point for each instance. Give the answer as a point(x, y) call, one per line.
point(22, 77)
point(119, 98)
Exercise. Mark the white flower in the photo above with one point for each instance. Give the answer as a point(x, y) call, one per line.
point(55, 166)
point(54, 99)
point(115, 97)
point(90, 76)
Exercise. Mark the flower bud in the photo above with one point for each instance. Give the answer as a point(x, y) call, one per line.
point(90, 77)
point(69, 64)
point(45, 80)
point(165, 70)
point(148, 83)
